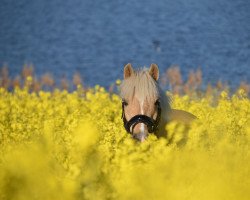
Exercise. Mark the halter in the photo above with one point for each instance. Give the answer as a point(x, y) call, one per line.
point(150, 122)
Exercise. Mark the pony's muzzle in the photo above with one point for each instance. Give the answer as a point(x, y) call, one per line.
point(140, 136)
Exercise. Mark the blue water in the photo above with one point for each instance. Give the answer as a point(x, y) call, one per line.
point(96, 38)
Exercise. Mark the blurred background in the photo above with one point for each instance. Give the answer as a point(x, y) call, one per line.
point(96, 38)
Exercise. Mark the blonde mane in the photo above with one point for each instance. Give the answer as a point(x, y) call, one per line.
point(140, 85)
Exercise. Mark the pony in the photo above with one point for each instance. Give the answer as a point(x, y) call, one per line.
point(145, 107)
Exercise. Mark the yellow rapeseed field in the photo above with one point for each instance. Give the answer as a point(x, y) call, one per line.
point(61, 145)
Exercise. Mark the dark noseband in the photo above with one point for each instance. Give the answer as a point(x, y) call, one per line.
point(150, 122)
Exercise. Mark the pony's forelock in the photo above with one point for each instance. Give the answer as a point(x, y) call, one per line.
point(140, 85)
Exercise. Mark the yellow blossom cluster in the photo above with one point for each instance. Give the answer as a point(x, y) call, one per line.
point(62, 145)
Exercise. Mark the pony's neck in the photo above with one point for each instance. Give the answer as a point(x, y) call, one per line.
point(165, 105)
point(166, 109)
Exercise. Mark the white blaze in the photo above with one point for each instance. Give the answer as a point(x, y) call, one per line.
point(142, 128)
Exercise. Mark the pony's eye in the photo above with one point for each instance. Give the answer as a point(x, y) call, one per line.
point(157, 102)
point(125, 103)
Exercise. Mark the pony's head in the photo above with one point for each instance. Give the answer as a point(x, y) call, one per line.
point(141, 101)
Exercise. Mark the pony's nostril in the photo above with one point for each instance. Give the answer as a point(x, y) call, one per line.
point(140, 136)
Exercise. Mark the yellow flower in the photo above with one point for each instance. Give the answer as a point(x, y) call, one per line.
point(118, 82)
point(62, 145)
point(29, 78)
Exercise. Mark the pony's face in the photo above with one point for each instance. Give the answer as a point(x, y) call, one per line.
point(140, 95)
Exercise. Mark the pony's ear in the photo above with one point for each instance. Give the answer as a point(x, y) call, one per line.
point(154, 71)
point(128, 71)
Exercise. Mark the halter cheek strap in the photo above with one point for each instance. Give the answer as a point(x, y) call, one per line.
point(152, 124)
